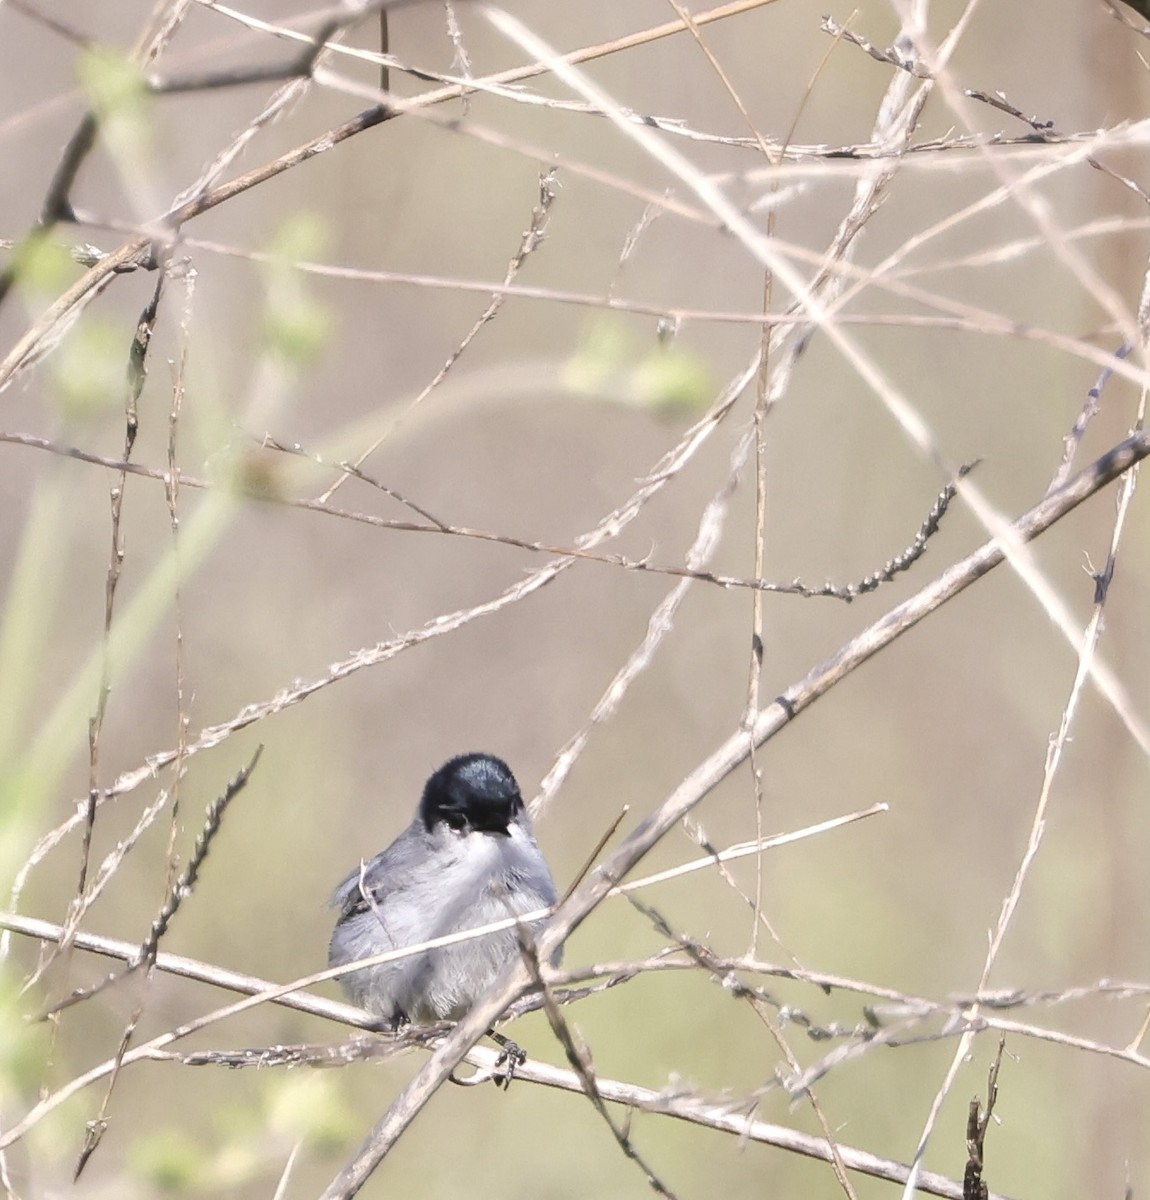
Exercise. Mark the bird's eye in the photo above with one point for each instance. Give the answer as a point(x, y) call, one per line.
point(454, 818)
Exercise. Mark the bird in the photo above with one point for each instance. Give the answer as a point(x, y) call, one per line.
point(468, 858)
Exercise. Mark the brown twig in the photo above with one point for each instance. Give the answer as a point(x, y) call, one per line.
point(530, 242)
point(973, 1185)
point(760, 1003)
point(579, 1058)
point(181, 890)
point(1089, 411)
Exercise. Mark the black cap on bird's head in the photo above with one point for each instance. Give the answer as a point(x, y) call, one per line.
point(472, 792)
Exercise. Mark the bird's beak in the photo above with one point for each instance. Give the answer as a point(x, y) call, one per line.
point(496, 825)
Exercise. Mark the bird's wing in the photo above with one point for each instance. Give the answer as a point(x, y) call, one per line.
point(379, 877)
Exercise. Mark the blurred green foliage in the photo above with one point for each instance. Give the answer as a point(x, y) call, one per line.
point(612, 364)
point(297, 326)
point(120, 98)
point(88, 370)
point(248, 1141)
point(43, 266)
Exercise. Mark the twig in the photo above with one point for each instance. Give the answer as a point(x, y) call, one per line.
point(908, 557)
point(579, 1058)
point(183, 888)
point(461, 61)
point(1045, 131)
point(589, 862)
point(187, 276)
point(1086, 652)
point(136, 375)
point(659, 624)
point(434, 525)
point(190, 968)
point(1073, 439)
point(532, 239)
point(703, 956)
point(891, 57)
point(973, 1185)
point(899, 1003)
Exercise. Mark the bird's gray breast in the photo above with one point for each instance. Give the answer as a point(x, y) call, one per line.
point(429, 885)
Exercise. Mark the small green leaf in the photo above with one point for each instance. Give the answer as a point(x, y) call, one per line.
point(170, 1161)
point(115, 84)
point(599, 359)
point(613, 365)
point(89, 369)
point(312, 1107)
point(43, 266)
point(300, 236)
point(671, 380)
point(122, 105)
point(297, 326)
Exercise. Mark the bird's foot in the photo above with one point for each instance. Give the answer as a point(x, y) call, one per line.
point(511, 1059)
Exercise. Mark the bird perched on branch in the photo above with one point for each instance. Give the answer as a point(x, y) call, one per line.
point(469, 858)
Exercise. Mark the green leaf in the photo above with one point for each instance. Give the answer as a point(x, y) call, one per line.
point(89, 369)
point(614, 366)
point(114, 83)
point(42, 266)
point(297, 326)
point(171, 1161)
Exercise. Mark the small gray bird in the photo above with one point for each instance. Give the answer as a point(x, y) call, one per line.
point(467, 859)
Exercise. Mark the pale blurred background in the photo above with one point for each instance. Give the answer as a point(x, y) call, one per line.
point(545, 424)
